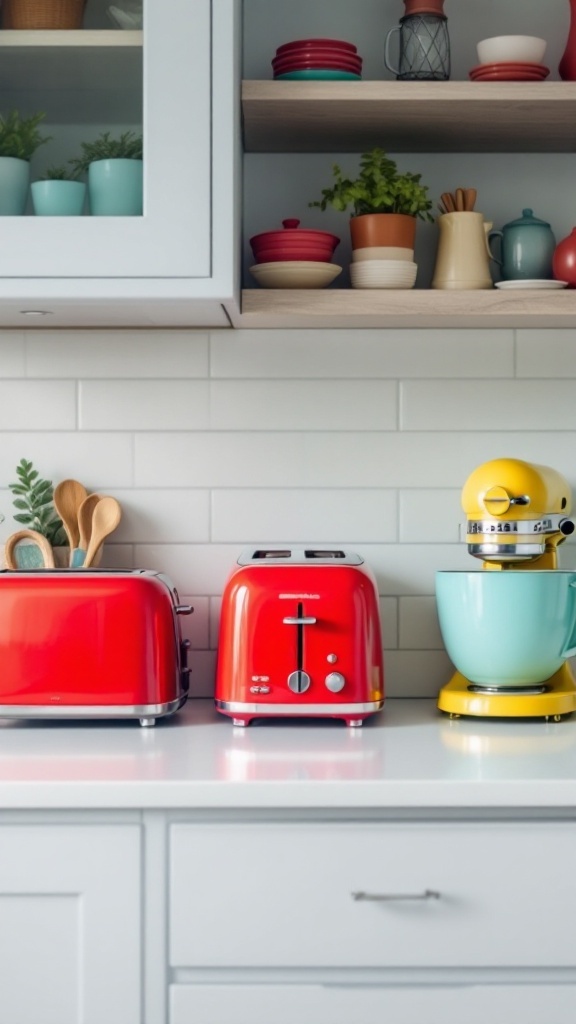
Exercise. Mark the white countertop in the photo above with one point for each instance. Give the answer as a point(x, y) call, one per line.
point(410, 755)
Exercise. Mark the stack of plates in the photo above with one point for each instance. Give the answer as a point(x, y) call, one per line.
point(509, 71)
point(317, 58)
point(383, 274)
point(295, 274)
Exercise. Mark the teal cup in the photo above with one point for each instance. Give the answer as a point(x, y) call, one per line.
point(507, 628)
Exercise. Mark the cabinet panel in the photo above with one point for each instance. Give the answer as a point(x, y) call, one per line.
point(282, 895)
point(316, 1004)
point(70, 924)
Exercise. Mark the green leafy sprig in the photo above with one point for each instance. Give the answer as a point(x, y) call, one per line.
point(127, 147)
point(379, 188)
point(19, 136)
point(34, 499)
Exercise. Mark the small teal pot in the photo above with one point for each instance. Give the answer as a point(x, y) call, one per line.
point(115, 188)
point(56, 198)
point(508, 628)
point(14, 184)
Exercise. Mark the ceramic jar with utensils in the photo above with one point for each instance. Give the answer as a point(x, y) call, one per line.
point(528, 246)
point(463, 257)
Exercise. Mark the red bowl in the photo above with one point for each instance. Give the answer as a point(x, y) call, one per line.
point(293, 239)
point(316, 62)
point(349, 58)
point(307, 44)
point(279, 255)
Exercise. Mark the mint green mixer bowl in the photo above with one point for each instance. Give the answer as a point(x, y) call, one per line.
point(510, 627)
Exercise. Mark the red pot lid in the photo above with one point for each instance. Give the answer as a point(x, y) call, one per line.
point(306, 44)
point(292, 231)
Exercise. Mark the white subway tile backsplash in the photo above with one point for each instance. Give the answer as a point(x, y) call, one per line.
point(326, 516)
point(162, 515)
point(212, 441)
point(303, 405)
point(102, 461)
point(495, 404)
point(368, 353)
point(415, 673)
point(430, 516)
point(144, 405)
point(116, 354)
point(419, 628)
point(541, 353)
point(37, 405)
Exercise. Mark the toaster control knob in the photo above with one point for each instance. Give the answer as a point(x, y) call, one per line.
point(299, 681)
point(335, 681)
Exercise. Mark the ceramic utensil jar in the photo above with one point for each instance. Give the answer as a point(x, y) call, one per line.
point(527, 248)
point(463, 256)
point(424, 42)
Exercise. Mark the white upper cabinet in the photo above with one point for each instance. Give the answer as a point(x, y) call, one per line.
point(176, 82)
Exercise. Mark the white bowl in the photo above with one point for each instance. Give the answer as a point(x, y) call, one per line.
point(527, 49)
point(295, 274)
point(382, 274)
point(382, 252)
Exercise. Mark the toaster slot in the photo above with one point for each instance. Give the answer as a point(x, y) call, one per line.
point(325, 555)
point(265, 553)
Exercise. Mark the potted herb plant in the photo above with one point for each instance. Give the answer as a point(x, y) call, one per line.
point(33, 500)
point(114, 169)
point(386, 204)
point(58, 194)
point(19, 139)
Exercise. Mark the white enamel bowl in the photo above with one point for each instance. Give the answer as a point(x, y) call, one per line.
point(382, 252)
point(526, 49)
point(295, 274)
point(383, 274)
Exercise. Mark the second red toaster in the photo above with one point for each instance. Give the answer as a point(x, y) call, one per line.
point(300, 635)
point(91, 644)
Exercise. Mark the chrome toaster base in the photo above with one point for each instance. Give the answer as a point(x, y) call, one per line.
point(147, 713)
point(243, 712)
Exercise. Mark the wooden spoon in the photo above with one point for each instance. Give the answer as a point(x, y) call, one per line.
point(469, 198)
point(85, 513)
point(105, 518)
point(68, 496)
point(38, 555)
point(448, 200)
point(460, 200)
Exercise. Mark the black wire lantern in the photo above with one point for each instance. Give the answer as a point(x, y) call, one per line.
point(424, 42)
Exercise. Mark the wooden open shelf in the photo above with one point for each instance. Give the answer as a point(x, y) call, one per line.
point(415, 117)
point(335, 308)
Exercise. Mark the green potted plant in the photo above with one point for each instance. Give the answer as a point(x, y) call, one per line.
point(386, 204)
point(19, 139)
point(33, 501)
point(114, 169)
point(58, 194)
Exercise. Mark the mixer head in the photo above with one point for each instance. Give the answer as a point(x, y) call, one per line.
point(516, 512)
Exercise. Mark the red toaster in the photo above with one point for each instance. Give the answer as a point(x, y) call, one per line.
point(91, 644)
point(300, 635)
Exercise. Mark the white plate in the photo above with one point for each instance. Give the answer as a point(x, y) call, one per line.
point(543, 284)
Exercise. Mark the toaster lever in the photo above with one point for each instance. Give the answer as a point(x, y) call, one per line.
point(295, 620)
point(183, 609)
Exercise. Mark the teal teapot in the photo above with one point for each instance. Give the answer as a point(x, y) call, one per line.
point(527, 249)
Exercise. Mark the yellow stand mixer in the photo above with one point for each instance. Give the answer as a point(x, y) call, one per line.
point(517, 515)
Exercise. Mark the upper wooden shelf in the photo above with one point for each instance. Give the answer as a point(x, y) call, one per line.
point(348, 308)
point(415, 117)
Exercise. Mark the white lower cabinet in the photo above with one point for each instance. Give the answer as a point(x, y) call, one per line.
point(315, 1004)
point(70, 924)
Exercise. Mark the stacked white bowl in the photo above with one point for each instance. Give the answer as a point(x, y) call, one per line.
point(383, 267)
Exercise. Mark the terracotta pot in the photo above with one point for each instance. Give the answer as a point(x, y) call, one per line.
point(370, 229)
point(564, 260)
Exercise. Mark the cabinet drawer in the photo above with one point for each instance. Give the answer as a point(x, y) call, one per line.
point(317, 1004)
point(282, 895)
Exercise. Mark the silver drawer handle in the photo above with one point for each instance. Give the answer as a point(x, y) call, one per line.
point(306, 621)
point(428, 894)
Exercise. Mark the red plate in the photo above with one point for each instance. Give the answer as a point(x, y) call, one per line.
point(510, 65)
point(508, 76)
point(318, 58)
point(328, 62)
point(306, 44)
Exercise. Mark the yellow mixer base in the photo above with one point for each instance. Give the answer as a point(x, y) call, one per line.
point(559, 699)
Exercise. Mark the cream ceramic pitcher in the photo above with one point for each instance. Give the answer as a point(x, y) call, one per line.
point(463, 257)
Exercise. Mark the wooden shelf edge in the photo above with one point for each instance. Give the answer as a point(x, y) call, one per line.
point(70, 38)
point(374, 308)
